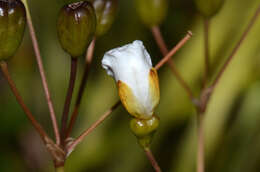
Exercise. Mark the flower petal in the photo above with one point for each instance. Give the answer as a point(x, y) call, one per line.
point(154, 87)
point(129, 100)
point(137, 81)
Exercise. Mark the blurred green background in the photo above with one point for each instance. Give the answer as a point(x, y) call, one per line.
point(233, 118)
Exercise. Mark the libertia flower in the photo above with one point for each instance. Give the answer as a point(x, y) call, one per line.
point(137, 81)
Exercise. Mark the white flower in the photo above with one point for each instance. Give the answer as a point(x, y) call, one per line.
point(137, 80)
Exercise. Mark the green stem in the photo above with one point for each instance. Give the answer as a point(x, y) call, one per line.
point(200, 143)
point(206, 51)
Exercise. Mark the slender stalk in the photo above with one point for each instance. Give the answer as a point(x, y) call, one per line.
point(42, 73)
point(106, 114)
point(206, 50)
point(89, 57)
point(66, 109)
point(164, 50)
point(203, 101)
point(222, 70)
point(152, 159)
point(173, 51)
point(200, 143)
point(36, 125)
point(92, 127)
point(160, 41)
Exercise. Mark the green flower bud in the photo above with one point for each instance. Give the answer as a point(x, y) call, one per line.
point(209, 8)
point(152, 12)
point(12, 25)
point(76, 27)
point(144, 129)
point(105, 12)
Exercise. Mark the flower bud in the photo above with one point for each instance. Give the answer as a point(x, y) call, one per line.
point(144, 129)
point(152, 12)
point(209, 8)
point(105, 12)
point(76, 27)
point(137, 80)
point(12, 25)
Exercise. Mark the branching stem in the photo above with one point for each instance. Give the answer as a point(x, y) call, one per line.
point(207, 92)
point(34, 122)
point(92, 127)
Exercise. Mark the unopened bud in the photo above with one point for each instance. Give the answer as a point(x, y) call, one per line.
point(105, 12)
point(152, 12)
point(76, 27)
point(209, 8)
point(12, 25)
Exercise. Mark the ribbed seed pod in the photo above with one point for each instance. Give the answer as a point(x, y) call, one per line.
point(76, 27)
point(209, 8)
point(105, 12)
point(12, 25)
point(152, 12)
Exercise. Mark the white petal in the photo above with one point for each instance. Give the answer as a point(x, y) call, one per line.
point(131, 64)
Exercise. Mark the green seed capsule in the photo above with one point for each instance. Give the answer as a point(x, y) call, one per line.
point(152, 12)
point(144, 129)
point(76, 27)
point(209, 8)
point(12, 25)
point(105, 12)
